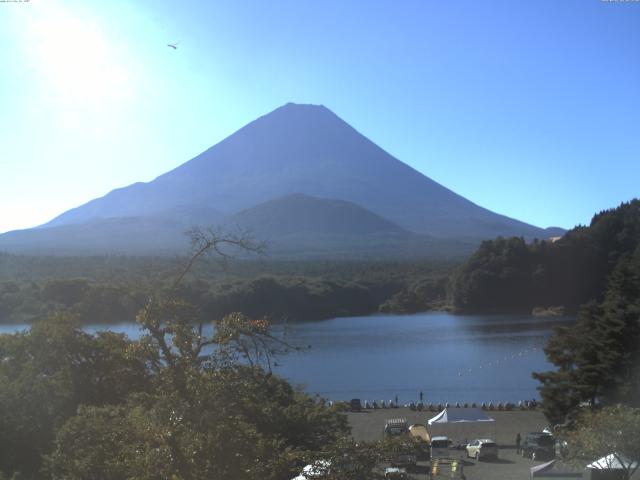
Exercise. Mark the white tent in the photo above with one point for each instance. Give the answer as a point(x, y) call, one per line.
point(612, 462)
point(460, 415)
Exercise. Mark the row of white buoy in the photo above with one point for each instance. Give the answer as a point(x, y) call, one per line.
point(438, 407)
point(499, 362)
point(433, 407)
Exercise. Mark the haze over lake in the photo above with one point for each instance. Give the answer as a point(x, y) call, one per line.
point(451, 358)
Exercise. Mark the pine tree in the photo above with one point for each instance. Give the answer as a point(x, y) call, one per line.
point(598, 358)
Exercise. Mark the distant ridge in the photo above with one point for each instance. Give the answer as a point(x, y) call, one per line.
point(294, 150)
point(302, 214)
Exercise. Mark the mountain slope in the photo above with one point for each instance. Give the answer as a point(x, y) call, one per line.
point(307, 149)
point(302, 214)
point(161, 232)
point(294, 227)
point(121, 236)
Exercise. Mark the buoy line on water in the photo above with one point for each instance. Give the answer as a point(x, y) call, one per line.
point(502, 361)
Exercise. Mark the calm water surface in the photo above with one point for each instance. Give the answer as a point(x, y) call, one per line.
point(450, 358)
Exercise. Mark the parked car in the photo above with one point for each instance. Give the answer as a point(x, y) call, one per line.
point(355, 405)
point(556, 429)
point(440, 447)
point(395, 473)
point(482, 448)
point(538, 446)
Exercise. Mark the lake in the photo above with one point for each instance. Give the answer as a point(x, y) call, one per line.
point(451, 358)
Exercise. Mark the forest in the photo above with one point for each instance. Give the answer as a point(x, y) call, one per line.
point(75, 405)
point(597, 358)
point(510, 275)
point(174, 404)
point(504, 275)
point(114, 289)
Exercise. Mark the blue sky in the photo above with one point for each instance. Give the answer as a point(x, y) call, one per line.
point(528, 108)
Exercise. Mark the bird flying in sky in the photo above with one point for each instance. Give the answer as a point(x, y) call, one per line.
point(173, 45)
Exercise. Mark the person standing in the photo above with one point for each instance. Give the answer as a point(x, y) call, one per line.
point(518, 439)
point(421, 396)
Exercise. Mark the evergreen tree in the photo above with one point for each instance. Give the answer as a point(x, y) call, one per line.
point(511, 275)
point(598, 357)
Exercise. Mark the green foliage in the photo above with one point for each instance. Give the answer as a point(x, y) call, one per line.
point(611, 432)
point(65, 292)
point(114, 289)
point(597, 267)
point(393, 446)
point(221, 416)
point(346, 460)
point(174, 404)
point(46, 373)
point(167, 436)
point(598, 358)
point(296, 298)
point(510, 275)
point(496, 276)
point(426, 293)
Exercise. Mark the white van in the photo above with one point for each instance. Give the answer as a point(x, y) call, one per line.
point(440, 447)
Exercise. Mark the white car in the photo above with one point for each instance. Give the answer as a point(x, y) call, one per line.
point(319, 468)
point(482, 448)
point(395, 473)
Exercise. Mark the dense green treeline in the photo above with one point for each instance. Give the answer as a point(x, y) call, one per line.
point(75, 405)
point(509, 275)
point(595, 270)
point(79, 406)
point(141, 269)
point(598, 358)
point(47, 373)
point(176, 403)
point(594, 392)
point(503, 275)
point(110, 289)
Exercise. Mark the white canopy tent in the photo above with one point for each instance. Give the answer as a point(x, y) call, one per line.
point(461, 422)
point(460, 415)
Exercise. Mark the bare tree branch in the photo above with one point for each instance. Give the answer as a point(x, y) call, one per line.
point(206, 240)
